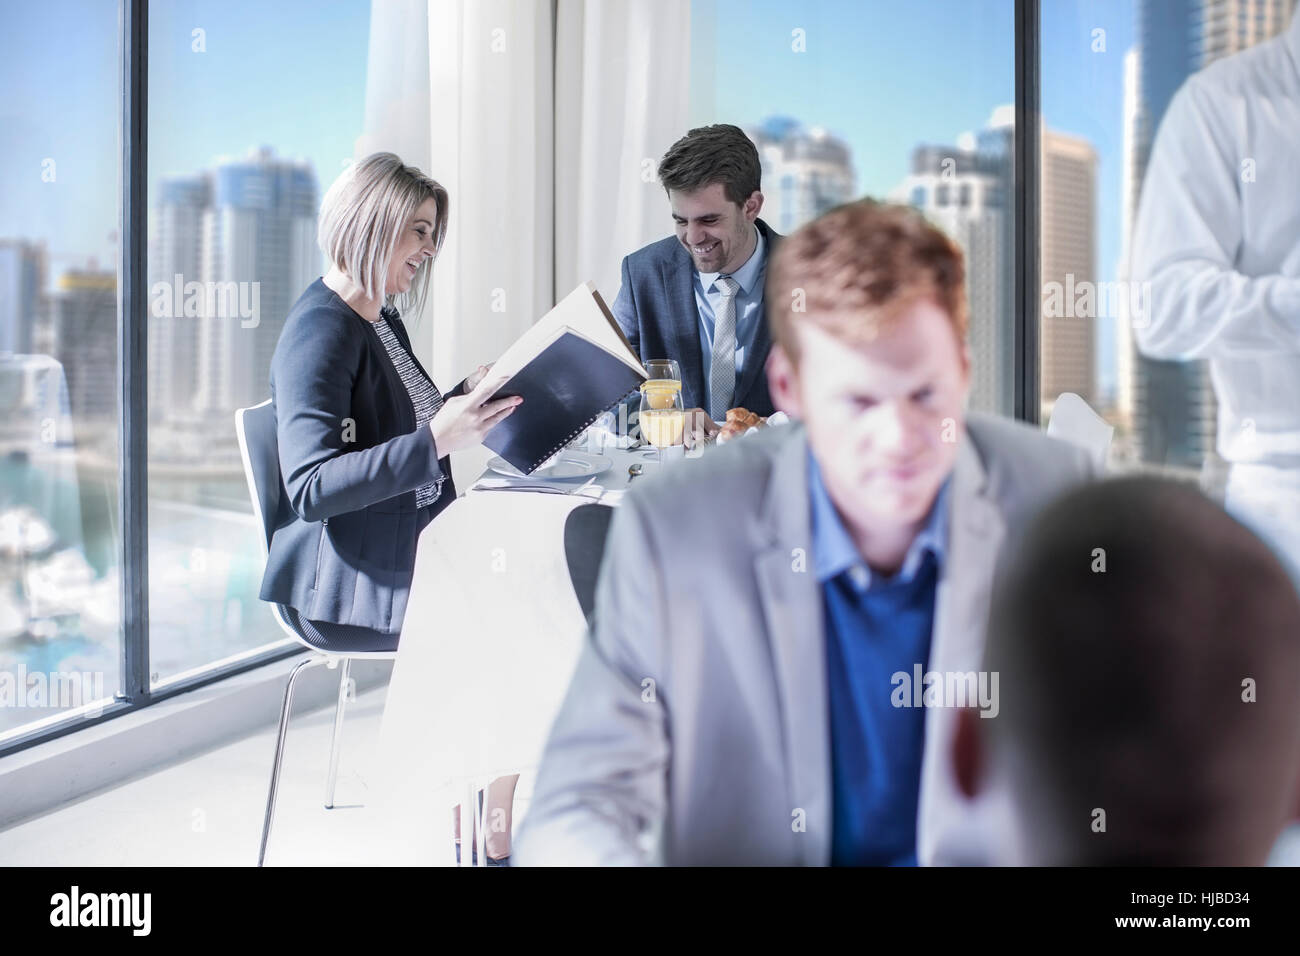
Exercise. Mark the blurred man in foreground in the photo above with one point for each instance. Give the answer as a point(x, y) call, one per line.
point(766, 617)
point(1148, 647)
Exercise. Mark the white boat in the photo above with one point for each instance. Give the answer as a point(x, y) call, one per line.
point(24, 532)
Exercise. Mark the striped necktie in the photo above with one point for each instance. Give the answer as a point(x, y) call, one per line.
point(722, 370)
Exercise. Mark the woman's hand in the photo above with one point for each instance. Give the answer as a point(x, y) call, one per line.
point(476, 376)
point(464, 420)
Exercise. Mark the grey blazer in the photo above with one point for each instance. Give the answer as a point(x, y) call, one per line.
point(696, 728)
point(656, 309)
point(351, 459)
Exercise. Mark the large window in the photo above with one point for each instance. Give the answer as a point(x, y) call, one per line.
point(1109, 71)
point(60, 623)
point(254, 108)
point(912, 102)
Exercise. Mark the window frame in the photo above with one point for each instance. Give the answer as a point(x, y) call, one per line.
point(134, 689)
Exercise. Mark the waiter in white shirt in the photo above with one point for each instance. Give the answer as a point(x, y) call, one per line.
point(1218, 237)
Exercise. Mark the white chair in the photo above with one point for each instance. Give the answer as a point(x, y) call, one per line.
point(1073, 420)
point(259, 448)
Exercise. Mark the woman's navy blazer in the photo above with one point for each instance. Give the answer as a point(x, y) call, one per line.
point(351, 459)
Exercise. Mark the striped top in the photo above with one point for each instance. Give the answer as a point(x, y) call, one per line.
point(424, 396)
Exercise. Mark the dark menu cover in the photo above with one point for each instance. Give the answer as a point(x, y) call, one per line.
point(565, 388)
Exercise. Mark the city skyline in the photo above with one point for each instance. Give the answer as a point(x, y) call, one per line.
point(255, 109)
point(1083, 43)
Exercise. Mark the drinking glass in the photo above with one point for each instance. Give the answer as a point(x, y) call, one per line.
point(663, 377)
point(663, 370)
point(662, 415)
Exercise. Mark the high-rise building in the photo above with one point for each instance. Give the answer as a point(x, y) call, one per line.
point(1230, 26)
point(805, 172)
point(1174, 408)
point(1125, 344)
point(1068, 227)
point(176, 242)
point(85, 344)
point(22, 281)
point(260, 233)
point(965, 191)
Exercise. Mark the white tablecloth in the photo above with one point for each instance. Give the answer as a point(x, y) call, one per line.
point(489, 643)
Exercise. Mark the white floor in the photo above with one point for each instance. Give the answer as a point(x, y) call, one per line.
point(208, 810)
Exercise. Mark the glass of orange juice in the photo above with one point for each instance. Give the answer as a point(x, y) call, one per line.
point(662, 415)
point(663, 371)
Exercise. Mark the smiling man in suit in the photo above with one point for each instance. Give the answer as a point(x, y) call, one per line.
point(737, 700)
point(697, 296)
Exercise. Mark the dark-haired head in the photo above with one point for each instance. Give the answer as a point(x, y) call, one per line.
point(1148, 650)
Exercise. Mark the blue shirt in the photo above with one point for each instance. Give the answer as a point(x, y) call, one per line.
point(749, 307)
point(876, 626)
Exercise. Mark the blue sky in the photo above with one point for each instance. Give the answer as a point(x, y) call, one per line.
point(884, 75)
point(276, 74)
point(58, 71)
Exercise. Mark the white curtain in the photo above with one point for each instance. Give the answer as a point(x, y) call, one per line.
point(397, 84)
point(545, 120)
point(622, 88)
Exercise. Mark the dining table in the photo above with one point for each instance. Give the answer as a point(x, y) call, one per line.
point(491, 636)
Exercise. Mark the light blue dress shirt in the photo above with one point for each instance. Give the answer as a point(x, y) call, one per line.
point(749, 306)
point(834, 551)
point(876, 626)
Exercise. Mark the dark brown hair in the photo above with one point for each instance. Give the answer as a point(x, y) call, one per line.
point(852, 268)
point(713, 154)
point(1124, 623)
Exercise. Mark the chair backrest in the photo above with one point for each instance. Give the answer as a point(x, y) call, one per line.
point(1073, 420)
point(255, 427)
point(260, 449)
point(585, 531)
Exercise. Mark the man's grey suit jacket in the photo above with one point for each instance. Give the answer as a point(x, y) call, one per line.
point(696, 727)
point(657, 311)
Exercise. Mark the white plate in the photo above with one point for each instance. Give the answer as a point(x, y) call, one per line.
point(567, 464)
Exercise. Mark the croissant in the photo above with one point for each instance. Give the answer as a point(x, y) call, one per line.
point(740, 420)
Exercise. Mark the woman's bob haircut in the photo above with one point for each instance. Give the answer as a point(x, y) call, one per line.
point(365, 211)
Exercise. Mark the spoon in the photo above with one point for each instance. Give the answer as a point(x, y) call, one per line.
point(632, 472)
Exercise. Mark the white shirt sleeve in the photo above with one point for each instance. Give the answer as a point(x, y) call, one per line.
point(1186, 241)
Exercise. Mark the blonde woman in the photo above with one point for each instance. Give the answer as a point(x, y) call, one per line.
point(364, 433)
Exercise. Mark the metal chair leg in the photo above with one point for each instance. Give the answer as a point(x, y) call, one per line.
point(338, 727)
point(481, 807)
point(467, 824)
point(279, 751)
